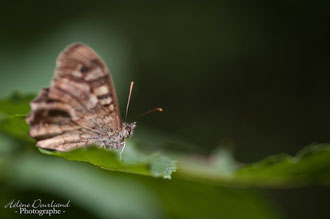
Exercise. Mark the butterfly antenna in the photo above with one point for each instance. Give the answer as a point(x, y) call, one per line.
point(129, 98)
point(150, 111)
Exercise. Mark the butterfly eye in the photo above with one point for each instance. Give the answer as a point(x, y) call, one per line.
point(84, 69)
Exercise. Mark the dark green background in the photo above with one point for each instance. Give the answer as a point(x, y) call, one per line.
point(255, 73)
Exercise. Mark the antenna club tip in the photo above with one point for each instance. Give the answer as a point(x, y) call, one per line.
point(158, 109)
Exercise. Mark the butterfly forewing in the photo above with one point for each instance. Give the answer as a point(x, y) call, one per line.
point(84, 69)
point(80, 107)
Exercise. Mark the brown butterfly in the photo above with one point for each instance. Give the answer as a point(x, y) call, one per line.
point(80, 107)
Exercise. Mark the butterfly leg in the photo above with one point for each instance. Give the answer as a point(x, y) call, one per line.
point(122, 150)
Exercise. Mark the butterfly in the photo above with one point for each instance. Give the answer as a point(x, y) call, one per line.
point(80, 107)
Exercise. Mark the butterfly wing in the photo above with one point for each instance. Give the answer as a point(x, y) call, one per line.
point(80, 107)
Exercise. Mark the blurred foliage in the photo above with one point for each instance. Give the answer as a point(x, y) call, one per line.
point(117, 195)
point(203, 187)
point(310, 166)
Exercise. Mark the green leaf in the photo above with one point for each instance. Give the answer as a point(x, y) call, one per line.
point(132, 161)
point(310, 166)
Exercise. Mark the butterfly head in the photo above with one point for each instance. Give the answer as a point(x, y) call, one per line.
point(127, 129)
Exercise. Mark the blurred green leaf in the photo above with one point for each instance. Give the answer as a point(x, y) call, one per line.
point(94, 189)
point(310, 166)
point(16, 127)
point(13, 111)
point(16, 104)
point(218, 165)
